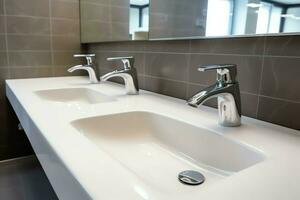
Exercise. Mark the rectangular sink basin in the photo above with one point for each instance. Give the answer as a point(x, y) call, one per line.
point(151, 145)
point(80, 95)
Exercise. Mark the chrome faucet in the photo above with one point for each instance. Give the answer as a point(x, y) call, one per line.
point(89, 67)
point(226, 89)
point(128, 73)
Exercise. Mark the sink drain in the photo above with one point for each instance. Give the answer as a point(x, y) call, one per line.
point(191, 177)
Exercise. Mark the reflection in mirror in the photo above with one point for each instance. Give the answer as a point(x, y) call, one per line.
point(114, 20)
point(139, 19)
point(104, 20)
point(218, 18)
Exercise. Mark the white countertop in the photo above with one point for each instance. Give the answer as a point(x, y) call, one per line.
point(277, 177)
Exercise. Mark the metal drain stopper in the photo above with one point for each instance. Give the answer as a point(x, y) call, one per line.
point(191, 177)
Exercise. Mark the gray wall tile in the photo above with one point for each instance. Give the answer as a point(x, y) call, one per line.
point(136, 46)
point(283, 46)
point(244, 46)
point(169, 18)
point(65, 27)
point(279, 112)
point(66, 43)
point(120, 14)
point(249, 105)
point(119, 31)
point(3, 59)
point(28, 25)
point(1, 7)
point(169, 66)
point(166, 87)
point(65, 9)
point(65, 59)
point(24, 178)
point(281, 78)
point(30, 72)
point(2, 43)
point(2, 24)
point(180, 46)
point(28, 42)
point(30, 59)
point(30, 8)
point(4, 74)
point(119, 2)
point(95, 11)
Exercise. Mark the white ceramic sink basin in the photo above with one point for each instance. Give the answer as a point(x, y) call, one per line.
point(150, 145)
point(80, 95)
point(91, 150)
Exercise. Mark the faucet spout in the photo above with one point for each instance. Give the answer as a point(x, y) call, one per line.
point(112, 74)
point(204, 95)
point(129, 77)
point(88, 67)
point(90, 70)
point(74, 68)
point(128, 73)
point(226, 90)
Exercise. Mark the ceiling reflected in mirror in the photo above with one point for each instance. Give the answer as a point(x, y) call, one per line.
point(221, 18)
point(139, 19)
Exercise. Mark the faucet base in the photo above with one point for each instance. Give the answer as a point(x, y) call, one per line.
point(228, 112)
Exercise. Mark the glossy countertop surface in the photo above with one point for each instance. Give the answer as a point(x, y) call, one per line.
point(277, 177)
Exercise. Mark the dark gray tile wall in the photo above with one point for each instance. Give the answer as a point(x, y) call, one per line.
point(37, 39)
point(24, 179)
point(104, 20)
point(268, 70)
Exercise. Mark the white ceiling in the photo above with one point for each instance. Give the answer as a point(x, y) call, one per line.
point(139, 2)
point(288, 1)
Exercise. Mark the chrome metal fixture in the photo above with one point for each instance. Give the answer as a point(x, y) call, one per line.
point(190, 177)
point(226, 89)
point(128, 73)
point(89, 67)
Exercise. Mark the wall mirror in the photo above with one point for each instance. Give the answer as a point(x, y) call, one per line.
point(114, 20)
point(222, 18)
point(124, 20)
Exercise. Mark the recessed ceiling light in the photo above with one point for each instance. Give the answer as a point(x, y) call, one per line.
point(254, 5)
point(288, 15)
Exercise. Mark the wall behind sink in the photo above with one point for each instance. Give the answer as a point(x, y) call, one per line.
point(268, 70)
point(37, 39)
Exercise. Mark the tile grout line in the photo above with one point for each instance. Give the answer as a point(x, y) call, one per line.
point(203, 85)
point(51, 39)
point(188, 70)
point(144, 57)
point(200, 53)
point(186, 53)
point(19, 50)
point(261, 77)
point(180, 53)
point(6, 39)
point(179, 81)
point(279, 99)
point(43, 35)
point(41, 17)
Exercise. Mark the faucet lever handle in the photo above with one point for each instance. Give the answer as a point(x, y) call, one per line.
point(225, 72)
point(88, 57)
point(128, 62)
